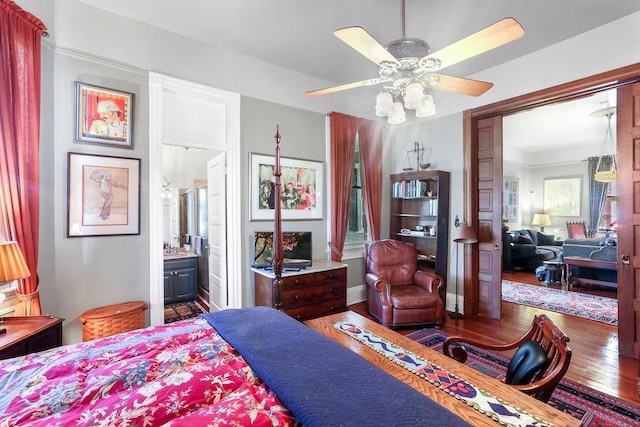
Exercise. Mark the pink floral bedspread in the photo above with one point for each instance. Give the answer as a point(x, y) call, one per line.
point(178, 374)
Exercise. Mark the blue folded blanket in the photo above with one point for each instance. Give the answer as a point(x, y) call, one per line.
point(319, 380)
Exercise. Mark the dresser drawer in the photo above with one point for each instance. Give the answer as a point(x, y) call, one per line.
point(318, 309)
point(305, 280)
point(312, 294)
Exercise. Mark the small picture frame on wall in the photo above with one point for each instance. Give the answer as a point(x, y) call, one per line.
point(103, 195)
point(103, 116)
point(510, 197)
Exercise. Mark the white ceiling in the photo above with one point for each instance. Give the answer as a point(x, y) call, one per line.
point(298, 34)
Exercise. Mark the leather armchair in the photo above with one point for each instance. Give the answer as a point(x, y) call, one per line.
point(398, 294)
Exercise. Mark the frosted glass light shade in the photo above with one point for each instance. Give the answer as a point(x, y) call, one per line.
point(398, 115)
point(384, 104)
point(427, 108)
point(414, 96)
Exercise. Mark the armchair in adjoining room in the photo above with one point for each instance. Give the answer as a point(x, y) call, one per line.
point(398, 294)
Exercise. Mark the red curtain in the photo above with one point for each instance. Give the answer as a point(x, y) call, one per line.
point(370, 139)
point(20, 38)
point(343, 143)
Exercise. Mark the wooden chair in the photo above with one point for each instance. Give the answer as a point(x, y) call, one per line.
point(538, 365)
point(576, 230)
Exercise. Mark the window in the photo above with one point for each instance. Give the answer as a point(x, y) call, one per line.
point(357, 223)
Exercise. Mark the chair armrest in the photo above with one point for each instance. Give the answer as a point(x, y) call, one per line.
point(381, 286)
point(428, 281)
point(454, 347)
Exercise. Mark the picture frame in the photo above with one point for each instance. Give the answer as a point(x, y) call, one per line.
point(510, 197)
point(103, 115)
point(562, 196)
point(103, 195)
point(302, 188)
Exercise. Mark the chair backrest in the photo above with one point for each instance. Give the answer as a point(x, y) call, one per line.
point(554, 342)
point(576, 230)
point(392, 260)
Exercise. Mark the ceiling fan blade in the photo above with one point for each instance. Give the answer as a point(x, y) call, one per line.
point(360, 40)
point(496, 35)
point(459, 85)
point(325, 91)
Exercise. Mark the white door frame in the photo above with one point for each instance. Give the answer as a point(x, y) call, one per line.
point(158, 86)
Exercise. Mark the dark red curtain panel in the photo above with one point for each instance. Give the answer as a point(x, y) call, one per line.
point(370, 138)
point(20, 38)
point(343, 143)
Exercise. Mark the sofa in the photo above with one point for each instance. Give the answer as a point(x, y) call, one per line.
point(528, 249)
point(596, 249)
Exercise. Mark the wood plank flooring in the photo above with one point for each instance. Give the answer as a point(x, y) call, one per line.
point(595, 361)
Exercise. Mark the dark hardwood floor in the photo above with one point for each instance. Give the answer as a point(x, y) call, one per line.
point(595, 361)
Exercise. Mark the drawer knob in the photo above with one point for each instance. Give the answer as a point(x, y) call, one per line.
point(296, 297)
point(297, 281)
point(331, 290)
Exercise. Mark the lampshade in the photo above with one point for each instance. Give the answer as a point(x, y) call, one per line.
point(414, 96)
point(541, 219)
point(397, 115)
point(384, 104)
point(12, 263)
point(464, 234)
point(427, 109)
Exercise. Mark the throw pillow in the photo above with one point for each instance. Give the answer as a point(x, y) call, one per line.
point(524, 237)
point(545, 239)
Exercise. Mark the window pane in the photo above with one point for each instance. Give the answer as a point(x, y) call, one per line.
point(357, 224)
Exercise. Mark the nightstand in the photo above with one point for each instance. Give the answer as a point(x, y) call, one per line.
point(29, 334)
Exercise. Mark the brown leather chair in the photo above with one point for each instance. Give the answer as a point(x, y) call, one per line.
point(398, 294)
point(536, 368)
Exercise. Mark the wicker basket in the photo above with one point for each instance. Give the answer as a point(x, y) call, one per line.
point(112, 319)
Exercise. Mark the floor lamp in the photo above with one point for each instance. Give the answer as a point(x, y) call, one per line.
point(462, 234)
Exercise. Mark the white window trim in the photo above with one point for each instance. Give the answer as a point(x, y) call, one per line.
point(353, 250)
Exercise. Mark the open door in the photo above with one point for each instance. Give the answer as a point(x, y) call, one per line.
point(216, 190)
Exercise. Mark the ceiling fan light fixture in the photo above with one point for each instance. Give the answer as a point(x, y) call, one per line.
point(413, 96)
point(397, 115)
point(384, 104)
point(427, 109)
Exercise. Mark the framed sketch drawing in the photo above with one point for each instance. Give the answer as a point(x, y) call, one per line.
point(103, 116)
point(562, 196)
point(301, 188)
point(103, 195)
point(510, 197)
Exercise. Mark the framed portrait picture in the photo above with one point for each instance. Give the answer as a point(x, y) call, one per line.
point(510, 197)
point(562, 196)
point(103, 195)
point(104, 116)
point(301, 188)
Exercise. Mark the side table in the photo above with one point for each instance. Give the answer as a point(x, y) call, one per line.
point(29, 334)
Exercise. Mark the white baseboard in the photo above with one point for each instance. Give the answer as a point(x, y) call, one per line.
point(358, 294)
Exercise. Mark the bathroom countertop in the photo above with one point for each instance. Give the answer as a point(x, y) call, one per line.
point(180, 255)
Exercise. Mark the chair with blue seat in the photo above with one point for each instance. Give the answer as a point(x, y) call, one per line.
point(539, 363)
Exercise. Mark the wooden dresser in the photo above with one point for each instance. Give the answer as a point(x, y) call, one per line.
point(29, 334)
point(306, 294)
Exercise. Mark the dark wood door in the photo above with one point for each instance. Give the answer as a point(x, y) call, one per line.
point(628, 189)
point(489, 216)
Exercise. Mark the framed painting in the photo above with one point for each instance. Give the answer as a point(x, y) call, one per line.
point(103, 195)
point(301, 185)
point(510, 197)
point(103, 116)
point(562, 196)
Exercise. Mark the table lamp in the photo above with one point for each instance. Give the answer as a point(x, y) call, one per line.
point(541, 219)
point(12, 264)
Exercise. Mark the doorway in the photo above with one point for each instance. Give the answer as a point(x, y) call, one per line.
point(182, 114)
point(483, 148)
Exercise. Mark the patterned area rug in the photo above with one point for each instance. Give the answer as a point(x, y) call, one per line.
point(181, 311)
point(570, 397)
point(590, 307)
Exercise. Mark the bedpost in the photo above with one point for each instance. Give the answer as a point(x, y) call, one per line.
point(277, 228)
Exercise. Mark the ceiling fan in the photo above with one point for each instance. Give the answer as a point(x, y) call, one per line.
point(408, 68)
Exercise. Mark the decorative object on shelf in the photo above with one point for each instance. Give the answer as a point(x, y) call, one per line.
point(609, 144)
point(166, 191)
point(12, 264)
point(104, 116)
point(103, 195)
point(302, 192)
point(541, 220)
point(419, 150)
point(462, 234)
point(562, 196)
point(408, 68)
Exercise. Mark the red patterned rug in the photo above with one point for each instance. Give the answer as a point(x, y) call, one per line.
point(590, 307)
point(570, 397)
